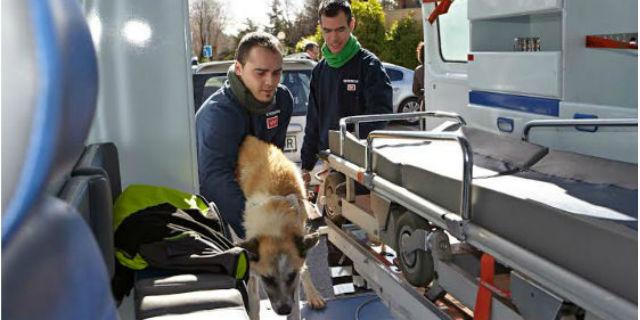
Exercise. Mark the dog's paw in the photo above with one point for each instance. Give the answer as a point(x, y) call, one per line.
point(316, 302)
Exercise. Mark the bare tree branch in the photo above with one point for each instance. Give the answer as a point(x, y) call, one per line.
point(207, 21)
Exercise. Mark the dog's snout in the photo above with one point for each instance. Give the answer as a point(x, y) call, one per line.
point(283, 309)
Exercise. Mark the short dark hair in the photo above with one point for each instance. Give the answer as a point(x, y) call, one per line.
point(331, 8)
point(420, 52)
point(256, 39)
point(310, 45)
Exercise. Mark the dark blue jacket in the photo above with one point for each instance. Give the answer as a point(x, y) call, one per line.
point(221, 125)
point(361, 86)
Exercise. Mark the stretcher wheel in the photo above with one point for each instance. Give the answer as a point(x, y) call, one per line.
point(335, 190)
point(416, 266)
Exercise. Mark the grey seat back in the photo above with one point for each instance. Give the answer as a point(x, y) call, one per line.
point(91, 196)
point(51, 265)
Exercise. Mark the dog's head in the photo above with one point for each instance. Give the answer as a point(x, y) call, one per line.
point(277, 262)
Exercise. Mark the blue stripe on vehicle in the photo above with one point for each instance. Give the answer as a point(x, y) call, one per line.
point(543, 106)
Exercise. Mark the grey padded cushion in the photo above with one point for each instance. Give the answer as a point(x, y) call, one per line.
point(183, 283)
point(437, 176)
point(386, 161)
point(235, 313)
point(588, 169)
point(191, 296)
point(495, 152)
point(507, 153)
point(186, 303)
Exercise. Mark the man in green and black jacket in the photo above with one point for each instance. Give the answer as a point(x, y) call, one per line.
point(348, 81)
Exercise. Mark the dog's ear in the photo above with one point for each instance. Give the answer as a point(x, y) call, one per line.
point(307, 242)
point(251, 245)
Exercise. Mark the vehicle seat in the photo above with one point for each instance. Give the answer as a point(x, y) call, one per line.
point(51, 265)
point(199, 295)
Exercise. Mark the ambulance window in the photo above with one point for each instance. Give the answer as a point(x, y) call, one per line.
point(454, 33)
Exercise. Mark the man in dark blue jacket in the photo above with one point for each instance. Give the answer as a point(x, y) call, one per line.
point(348, 81)
point(252, 102)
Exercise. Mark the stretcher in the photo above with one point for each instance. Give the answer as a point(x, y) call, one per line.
point(562, 227)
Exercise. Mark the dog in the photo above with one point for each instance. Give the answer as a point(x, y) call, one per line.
point(274, 220)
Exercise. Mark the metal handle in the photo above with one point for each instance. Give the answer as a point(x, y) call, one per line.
point(467, 158)
point(356, 120)
point(622, 122)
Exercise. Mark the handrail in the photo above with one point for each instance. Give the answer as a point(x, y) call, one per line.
point(356, 120)
point(467, 160)
point(618, 122)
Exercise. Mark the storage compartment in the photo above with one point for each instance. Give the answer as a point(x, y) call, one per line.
point(525, 73)
point(500, 34)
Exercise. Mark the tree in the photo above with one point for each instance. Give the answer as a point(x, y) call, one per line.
point(277, 19)
point(207, 19)
point(402, 40)
point(369, 25)
point(307, 21)
point(388, 4)
point(249, 27)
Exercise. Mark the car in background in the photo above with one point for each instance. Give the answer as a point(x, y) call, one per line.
point(296, 76)
point(402, 83)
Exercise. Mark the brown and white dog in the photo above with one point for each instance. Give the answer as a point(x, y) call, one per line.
point(274, 219)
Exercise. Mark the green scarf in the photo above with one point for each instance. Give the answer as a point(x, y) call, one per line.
point(337, 60)
point(244, 95)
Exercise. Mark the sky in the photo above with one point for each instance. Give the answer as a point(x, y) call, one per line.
point(256, 10)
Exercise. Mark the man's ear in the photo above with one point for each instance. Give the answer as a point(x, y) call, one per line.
point(307, 242)
point(352, 24)
point(238, 68)
point(252, 246)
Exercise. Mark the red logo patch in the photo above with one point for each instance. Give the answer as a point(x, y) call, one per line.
point(272, 122)
point(351, 87)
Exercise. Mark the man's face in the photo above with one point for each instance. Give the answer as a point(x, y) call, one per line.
point(336, 30)
point(261, 73)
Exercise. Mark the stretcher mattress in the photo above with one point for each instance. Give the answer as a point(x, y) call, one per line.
point(576, 211)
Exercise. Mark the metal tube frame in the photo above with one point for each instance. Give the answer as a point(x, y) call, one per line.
point(467, 159)
point(356, 120)
point(622, 122)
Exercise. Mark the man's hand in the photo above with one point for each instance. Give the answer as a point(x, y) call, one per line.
point(306, 177)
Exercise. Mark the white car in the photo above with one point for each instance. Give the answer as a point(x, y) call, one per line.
point(402, 83)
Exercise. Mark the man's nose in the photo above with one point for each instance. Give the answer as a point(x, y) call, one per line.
point(271, 80)
point(329, 37)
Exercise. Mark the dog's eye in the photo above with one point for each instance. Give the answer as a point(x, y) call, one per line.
point(269, 280)
point(291, 278)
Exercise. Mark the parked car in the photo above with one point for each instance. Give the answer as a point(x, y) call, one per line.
point(402, 83)
point(296, 76)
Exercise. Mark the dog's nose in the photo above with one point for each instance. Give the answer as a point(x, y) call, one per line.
point(284, 309)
